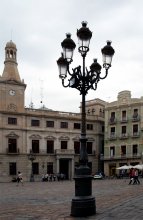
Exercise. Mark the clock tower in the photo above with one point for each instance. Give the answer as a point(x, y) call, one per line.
point(12, 88)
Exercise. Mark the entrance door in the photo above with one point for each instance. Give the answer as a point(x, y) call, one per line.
point(112, 170)
point(64, 167)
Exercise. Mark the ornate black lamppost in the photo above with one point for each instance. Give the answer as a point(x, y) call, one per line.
point(82, 79)
point(31, 157)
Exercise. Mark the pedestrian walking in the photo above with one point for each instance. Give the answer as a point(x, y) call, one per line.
point(131, 175)
point(136, 177)
point(19, 178)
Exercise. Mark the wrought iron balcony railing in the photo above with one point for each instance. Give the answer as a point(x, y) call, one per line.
point(120, 157)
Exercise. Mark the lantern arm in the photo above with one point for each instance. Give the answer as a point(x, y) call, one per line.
point(75, 78)
point(106, 73)
point(92, 79)
point(68, 70)
point(63, 83)
point(75, 71)
point(94, 86)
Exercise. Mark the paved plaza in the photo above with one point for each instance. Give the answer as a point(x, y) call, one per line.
point(115, 199)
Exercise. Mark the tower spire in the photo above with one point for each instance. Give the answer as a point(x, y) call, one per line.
point(10, 71)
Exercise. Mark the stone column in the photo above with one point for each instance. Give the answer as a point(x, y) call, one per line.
point(72, 168)
point(57, 160)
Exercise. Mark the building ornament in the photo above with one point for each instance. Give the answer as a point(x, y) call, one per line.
point(76, 138)
point(50, 137)
point(12, 107)
point(65, 138)
point(12, 135)
point(35, 136)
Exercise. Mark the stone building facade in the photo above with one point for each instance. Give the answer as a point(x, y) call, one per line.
point(123, 133)
point(53, 136)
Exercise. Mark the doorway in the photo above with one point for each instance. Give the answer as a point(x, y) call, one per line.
point(112, 170)
point(64, 167)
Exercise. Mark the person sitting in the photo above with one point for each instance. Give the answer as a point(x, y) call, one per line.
point(19, 178)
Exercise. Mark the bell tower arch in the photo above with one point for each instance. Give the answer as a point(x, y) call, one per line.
point(12, 88)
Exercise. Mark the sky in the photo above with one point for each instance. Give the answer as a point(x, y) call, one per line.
point(38, 27)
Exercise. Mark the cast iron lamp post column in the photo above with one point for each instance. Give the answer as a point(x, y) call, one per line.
point(31, 157)
point(82, 79)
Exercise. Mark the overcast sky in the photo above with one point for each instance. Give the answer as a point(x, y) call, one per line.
point(38, 27)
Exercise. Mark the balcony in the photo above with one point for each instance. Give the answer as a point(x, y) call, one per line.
point(124, 120)
point(12, 152)
point(44, 152)
point(120, 157)
point(135, 118)
point(135, 135)
point(124, 136)
point(64, 152)
point(112, 121)
point(112, 136)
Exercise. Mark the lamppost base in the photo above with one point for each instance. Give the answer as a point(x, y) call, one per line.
point(83, 206)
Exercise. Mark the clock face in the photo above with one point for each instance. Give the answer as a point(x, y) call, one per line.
point(12, 92)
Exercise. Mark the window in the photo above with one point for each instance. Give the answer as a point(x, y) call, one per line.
point(124, 117)
point(89, 147)
point(50, 168)
point(93, 110)
point(88, 112)
point(135, 128)
point(64, 124)
point(12, 145)
point(101, 112)
point(35, 146)
point(123, 129)
point(135, 114)
point(112, 131)
point(12, 121)
point(102, 128)
point(135, 149)
point(64, 144)
point(123, 150)
point(35, 167)
point(112, 151)
point(77, 147)
point(50, 147)
point(112, 117)
point(35, 122)
point(76, 125)
point(89, 126)
point(50, 124)
point(12, 168)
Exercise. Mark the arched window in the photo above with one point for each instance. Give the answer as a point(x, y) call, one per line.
point(11, 54)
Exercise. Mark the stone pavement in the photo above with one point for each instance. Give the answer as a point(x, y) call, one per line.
point(115, 199)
